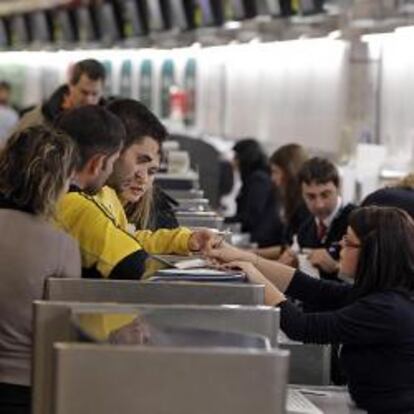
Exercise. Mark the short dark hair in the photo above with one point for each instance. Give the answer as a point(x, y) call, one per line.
point(92, 68)
point(5, 85)
point(138, 120)
point(94, 129)
point(386, 257)
point(319, 171)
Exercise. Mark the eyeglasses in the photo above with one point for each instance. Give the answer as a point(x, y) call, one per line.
point(345, 242)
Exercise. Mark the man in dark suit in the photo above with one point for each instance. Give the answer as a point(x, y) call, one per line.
point(319, 235)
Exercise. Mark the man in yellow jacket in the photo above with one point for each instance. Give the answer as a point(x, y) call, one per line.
point(94, 215)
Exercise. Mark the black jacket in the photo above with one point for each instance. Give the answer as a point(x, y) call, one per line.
point(307, 235)
point(257, 210)
point(377, 333)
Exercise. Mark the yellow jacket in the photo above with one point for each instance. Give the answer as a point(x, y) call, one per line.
point(109, 247)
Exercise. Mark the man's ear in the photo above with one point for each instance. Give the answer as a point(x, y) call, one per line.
point(95, 164)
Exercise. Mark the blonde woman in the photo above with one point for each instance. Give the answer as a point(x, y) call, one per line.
point(35, 169)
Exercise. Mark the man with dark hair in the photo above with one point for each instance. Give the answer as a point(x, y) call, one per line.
point(85, 87)
point(94, 215)
point(99, 135)
point(319, 235)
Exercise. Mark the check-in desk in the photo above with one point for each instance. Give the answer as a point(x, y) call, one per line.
point(185, 194)
point(187, 181)
point(131, 291)
point(200, 219)
point(52, 323)
point(309, 363)
point(193, 204)
point(130, 380)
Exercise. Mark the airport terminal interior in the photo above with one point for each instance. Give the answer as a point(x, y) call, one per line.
point(207, 206)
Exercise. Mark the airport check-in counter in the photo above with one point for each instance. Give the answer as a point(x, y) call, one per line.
point(131, 291)
point(186, 181)
point(185, 194)
point(200, 219)
point(310, 364)
point(52, 323)
point(193, 204)
point(132, 380)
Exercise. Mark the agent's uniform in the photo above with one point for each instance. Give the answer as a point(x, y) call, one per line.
point(109, 247)
point(311, 236)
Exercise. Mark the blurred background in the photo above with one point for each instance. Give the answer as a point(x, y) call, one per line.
point(335, 76)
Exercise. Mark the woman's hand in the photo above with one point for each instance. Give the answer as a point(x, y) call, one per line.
point(273, 296)
point(224, 253)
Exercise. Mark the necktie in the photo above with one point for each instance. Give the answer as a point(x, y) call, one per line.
point(321, 230)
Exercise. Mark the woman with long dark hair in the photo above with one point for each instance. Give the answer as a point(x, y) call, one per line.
point(373, 318)
point(285, 165)
point(256, 202)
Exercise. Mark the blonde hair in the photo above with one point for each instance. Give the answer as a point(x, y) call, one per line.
point(139, 213)
point(35, 166)
point(406, 182)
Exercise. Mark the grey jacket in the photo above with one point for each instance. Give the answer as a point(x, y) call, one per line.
point(31, 250)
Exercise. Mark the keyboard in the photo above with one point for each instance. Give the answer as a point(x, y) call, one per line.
point(297, 403)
